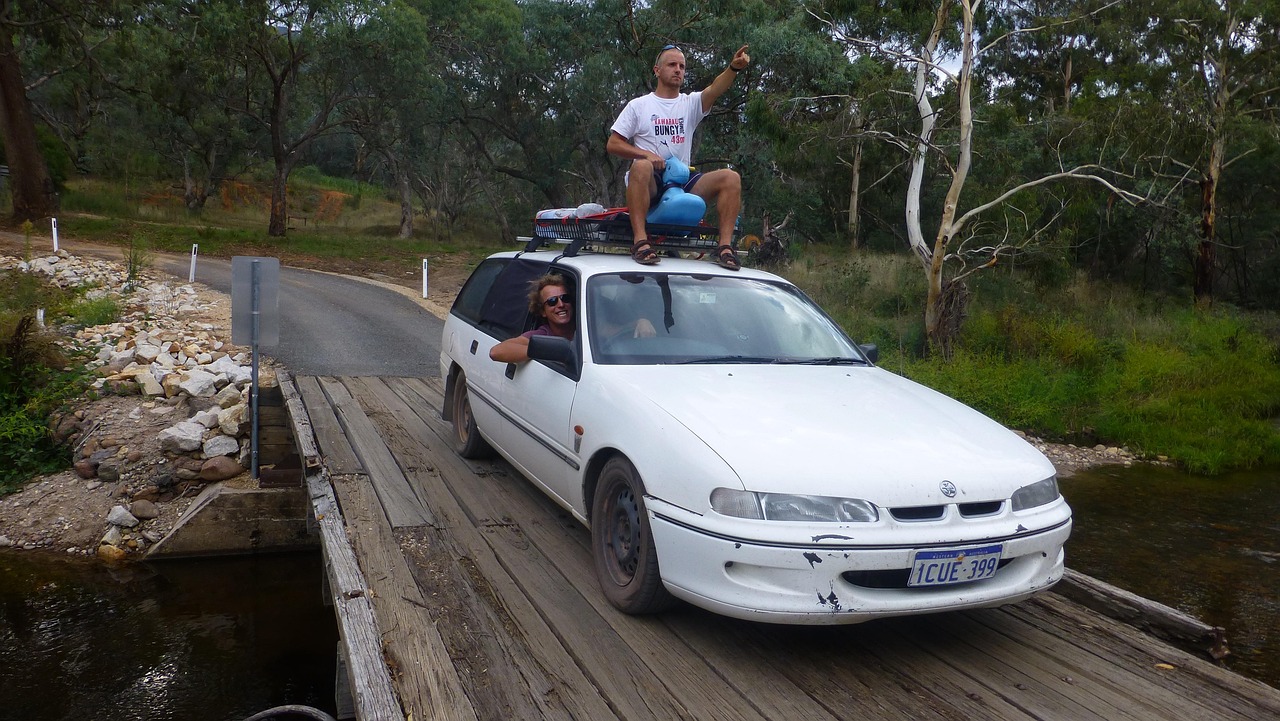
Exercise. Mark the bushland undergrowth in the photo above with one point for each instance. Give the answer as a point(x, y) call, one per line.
point(1077, 361)
point(37, 376)
point(1084, 363)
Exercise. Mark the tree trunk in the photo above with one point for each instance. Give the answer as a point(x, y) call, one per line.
point(1205, 260)
point(855, 190)
point(279, 224)
point(406, 205)
point(34, 196)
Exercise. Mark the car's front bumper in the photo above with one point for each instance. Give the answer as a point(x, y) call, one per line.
point(812, 584)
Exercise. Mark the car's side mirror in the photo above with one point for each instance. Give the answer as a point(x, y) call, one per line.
point(871, 351)
point(557, 350)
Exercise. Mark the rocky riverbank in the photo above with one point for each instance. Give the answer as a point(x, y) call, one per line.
point(173, 417)
point(171, 414)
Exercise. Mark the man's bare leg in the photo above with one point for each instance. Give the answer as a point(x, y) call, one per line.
point(640, 186)
point(724, 188)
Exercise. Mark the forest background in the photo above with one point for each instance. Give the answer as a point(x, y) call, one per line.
point(1062, 213)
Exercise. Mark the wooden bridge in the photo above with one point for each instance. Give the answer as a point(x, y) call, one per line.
point(463, 593)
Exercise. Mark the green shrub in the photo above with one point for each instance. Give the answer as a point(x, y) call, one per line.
point(35, 380)
point(98, 311)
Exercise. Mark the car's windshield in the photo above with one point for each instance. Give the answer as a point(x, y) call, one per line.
point(652, 318)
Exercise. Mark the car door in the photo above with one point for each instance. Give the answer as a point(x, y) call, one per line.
point(535, 400)
point(537, 397)
point(522, 410)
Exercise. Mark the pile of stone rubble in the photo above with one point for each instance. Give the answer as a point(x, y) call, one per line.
point(160, 350)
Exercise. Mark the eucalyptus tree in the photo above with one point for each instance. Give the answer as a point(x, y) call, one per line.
point(1216, 67)
point(397, 101)
point(59, 36)
point(939, 46)
point(290, 73)
point(185, 96)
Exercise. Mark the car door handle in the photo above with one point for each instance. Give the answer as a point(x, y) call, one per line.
point(474, 345)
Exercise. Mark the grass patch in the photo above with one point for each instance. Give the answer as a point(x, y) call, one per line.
point(1085, 363)
point(99, 311)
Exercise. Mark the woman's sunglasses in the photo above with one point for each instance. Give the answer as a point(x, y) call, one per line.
point(555, 300)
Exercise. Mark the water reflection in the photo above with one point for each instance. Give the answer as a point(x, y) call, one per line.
point(216, 639)
point(1209, 547)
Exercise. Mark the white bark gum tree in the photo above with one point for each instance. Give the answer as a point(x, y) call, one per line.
point(946, 297)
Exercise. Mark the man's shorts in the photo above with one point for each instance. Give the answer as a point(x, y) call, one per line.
point(687, 187)
point(653, 200)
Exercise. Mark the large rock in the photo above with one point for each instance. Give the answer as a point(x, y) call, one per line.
point(218, 445)
point(207, 418)
point(149, 386)
point(120, 516)
point(220, 468)
point(119, 360)
point(144, 510)
point(146, 353)
point(182, 437)
point(111, 554)
point(199, 384)
point(235, 421)
point(227, 397)
point(234, 372)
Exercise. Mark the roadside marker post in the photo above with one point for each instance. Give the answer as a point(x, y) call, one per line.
point(191, 277)
point(255, 320)
point(55, 234)
point(424, 277)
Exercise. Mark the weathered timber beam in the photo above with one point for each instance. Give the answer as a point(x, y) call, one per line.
point(302, 433)
point(1150, 616)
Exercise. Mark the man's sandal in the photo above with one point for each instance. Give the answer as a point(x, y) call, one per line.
point(727, 258)
point(642, 253)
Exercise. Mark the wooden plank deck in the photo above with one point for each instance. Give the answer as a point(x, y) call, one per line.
point(487, 607)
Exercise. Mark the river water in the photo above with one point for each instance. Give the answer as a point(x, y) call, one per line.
point(1209, 547)
point(200, 639)
point(222, 639)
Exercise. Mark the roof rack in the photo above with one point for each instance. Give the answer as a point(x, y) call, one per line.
point(613, 230)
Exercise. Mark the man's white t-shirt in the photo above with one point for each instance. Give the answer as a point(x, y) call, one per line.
point(661, 125)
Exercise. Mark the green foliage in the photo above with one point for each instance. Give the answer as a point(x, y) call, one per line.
point(99, 311)
point(35, 380)
point(1086, 362)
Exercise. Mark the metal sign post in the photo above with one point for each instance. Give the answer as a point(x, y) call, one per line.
point(191, 277)
point(55, 234)
point(424, 277)
point(255, 296)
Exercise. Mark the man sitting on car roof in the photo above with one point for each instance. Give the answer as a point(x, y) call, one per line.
point(659, 125)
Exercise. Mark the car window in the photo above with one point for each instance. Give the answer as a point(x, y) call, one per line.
point(705, 319)
point(470, 299)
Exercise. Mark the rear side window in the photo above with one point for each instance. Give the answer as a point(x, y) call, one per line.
point(470, 299)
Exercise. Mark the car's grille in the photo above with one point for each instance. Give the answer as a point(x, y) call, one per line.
point(910, 514)
point(917, 513)
point(893, 578)
point(985, 508)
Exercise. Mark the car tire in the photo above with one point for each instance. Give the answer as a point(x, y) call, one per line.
point(467, 441)
point(622, 542)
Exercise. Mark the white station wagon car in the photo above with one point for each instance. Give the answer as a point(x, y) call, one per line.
point(749, 458)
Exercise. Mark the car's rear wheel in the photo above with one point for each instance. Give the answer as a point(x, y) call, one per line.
point(622, 543)
point(467, 440)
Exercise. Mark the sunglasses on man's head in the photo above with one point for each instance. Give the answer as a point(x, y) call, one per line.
point(669, 47)
point(555, 300)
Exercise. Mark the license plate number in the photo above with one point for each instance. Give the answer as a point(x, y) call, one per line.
point(941, 568)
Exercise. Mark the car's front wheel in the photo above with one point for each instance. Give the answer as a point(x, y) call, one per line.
point(467, 440)
point(622, 543)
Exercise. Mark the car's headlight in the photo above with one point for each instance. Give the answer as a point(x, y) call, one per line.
point(1036, 494)
point(790, 507)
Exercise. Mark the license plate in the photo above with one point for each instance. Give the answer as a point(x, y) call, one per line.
point(940, 568)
